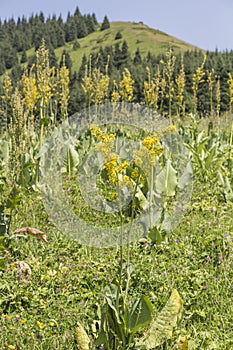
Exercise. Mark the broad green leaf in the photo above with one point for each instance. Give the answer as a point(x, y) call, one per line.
point(144, 203)
point(162, 327)
point(82, 338)
point(166, 180)
point(155, 235)
point(110, 294)
point(187, 177)
point(210, 156)
point(140, 314)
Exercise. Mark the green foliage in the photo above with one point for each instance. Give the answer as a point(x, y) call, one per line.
point(118, 36)
point(105, 25)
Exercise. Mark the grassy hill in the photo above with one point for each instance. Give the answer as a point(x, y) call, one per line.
point(137, 35)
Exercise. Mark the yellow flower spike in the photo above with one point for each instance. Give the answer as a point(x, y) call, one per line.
point(11, 347)
point(126, 86)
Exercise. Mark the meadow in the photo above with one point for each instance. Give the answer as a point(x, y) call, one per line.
point(166, 284)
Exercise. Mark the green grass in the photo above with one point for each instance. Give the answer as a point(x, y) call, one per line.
point(67, 279)
point(41, 311)
point(137, 35)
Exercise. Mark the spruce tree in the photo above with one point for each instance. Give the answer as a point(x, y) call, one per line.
point(23, 57)
point(105, 24)
point(137, 57)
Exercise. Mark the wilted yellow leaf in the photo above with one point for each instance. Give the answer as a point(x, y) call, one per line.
point(82, 338)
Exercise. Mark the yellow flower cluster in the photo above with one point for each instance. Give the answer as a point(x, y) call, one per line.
point(145, 157)
point(115, 170)
point(95, 84)
point(29, 90)
point(105, 147)
point(150, 141)
point(126, 86)
point(7, 87)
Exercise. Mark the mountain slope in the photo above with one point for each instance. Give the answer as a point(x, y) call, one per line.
point(137, 35)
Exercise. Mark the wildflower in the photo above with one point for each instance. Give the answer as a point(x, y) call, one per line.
point(170, 129)
point(52, 324)
point(206, 287)
point(135, 174)
point(126, 86)
point(40, 324)
point(23, 267)
point(64, 87)
point(58, 290)
point(11, 347)
point(86, 267)
point(39, 336)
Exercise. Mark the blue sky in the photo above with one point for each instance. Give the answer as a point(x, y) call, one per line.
point(207, 24)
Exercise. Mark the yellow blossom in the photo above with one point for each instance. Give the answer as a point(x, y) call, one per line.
point(170, 129)
point(40, 324)
point(126, 86)
point(135, 174)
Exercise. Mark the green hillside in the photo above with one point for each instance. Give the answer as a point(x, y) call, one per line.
point(137, 35)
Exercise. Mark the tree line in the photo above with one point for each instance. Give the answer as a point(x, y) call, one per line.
point(192, 81)
point(22, 34)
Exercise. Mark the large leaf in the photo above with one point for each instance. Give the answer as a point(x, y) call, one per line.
point(166, 180)
point(162, 327)
point(110, 293)
point(186, 178)
point(140, 314)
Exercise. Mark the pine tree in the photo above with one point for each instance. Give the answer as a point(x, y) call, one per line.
point(137, 57)
point(124, 53)
point(76, 45)
point(90, 24)
point(118, 36)
point(23, 57)
point(94, 18)
point(105, 24)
